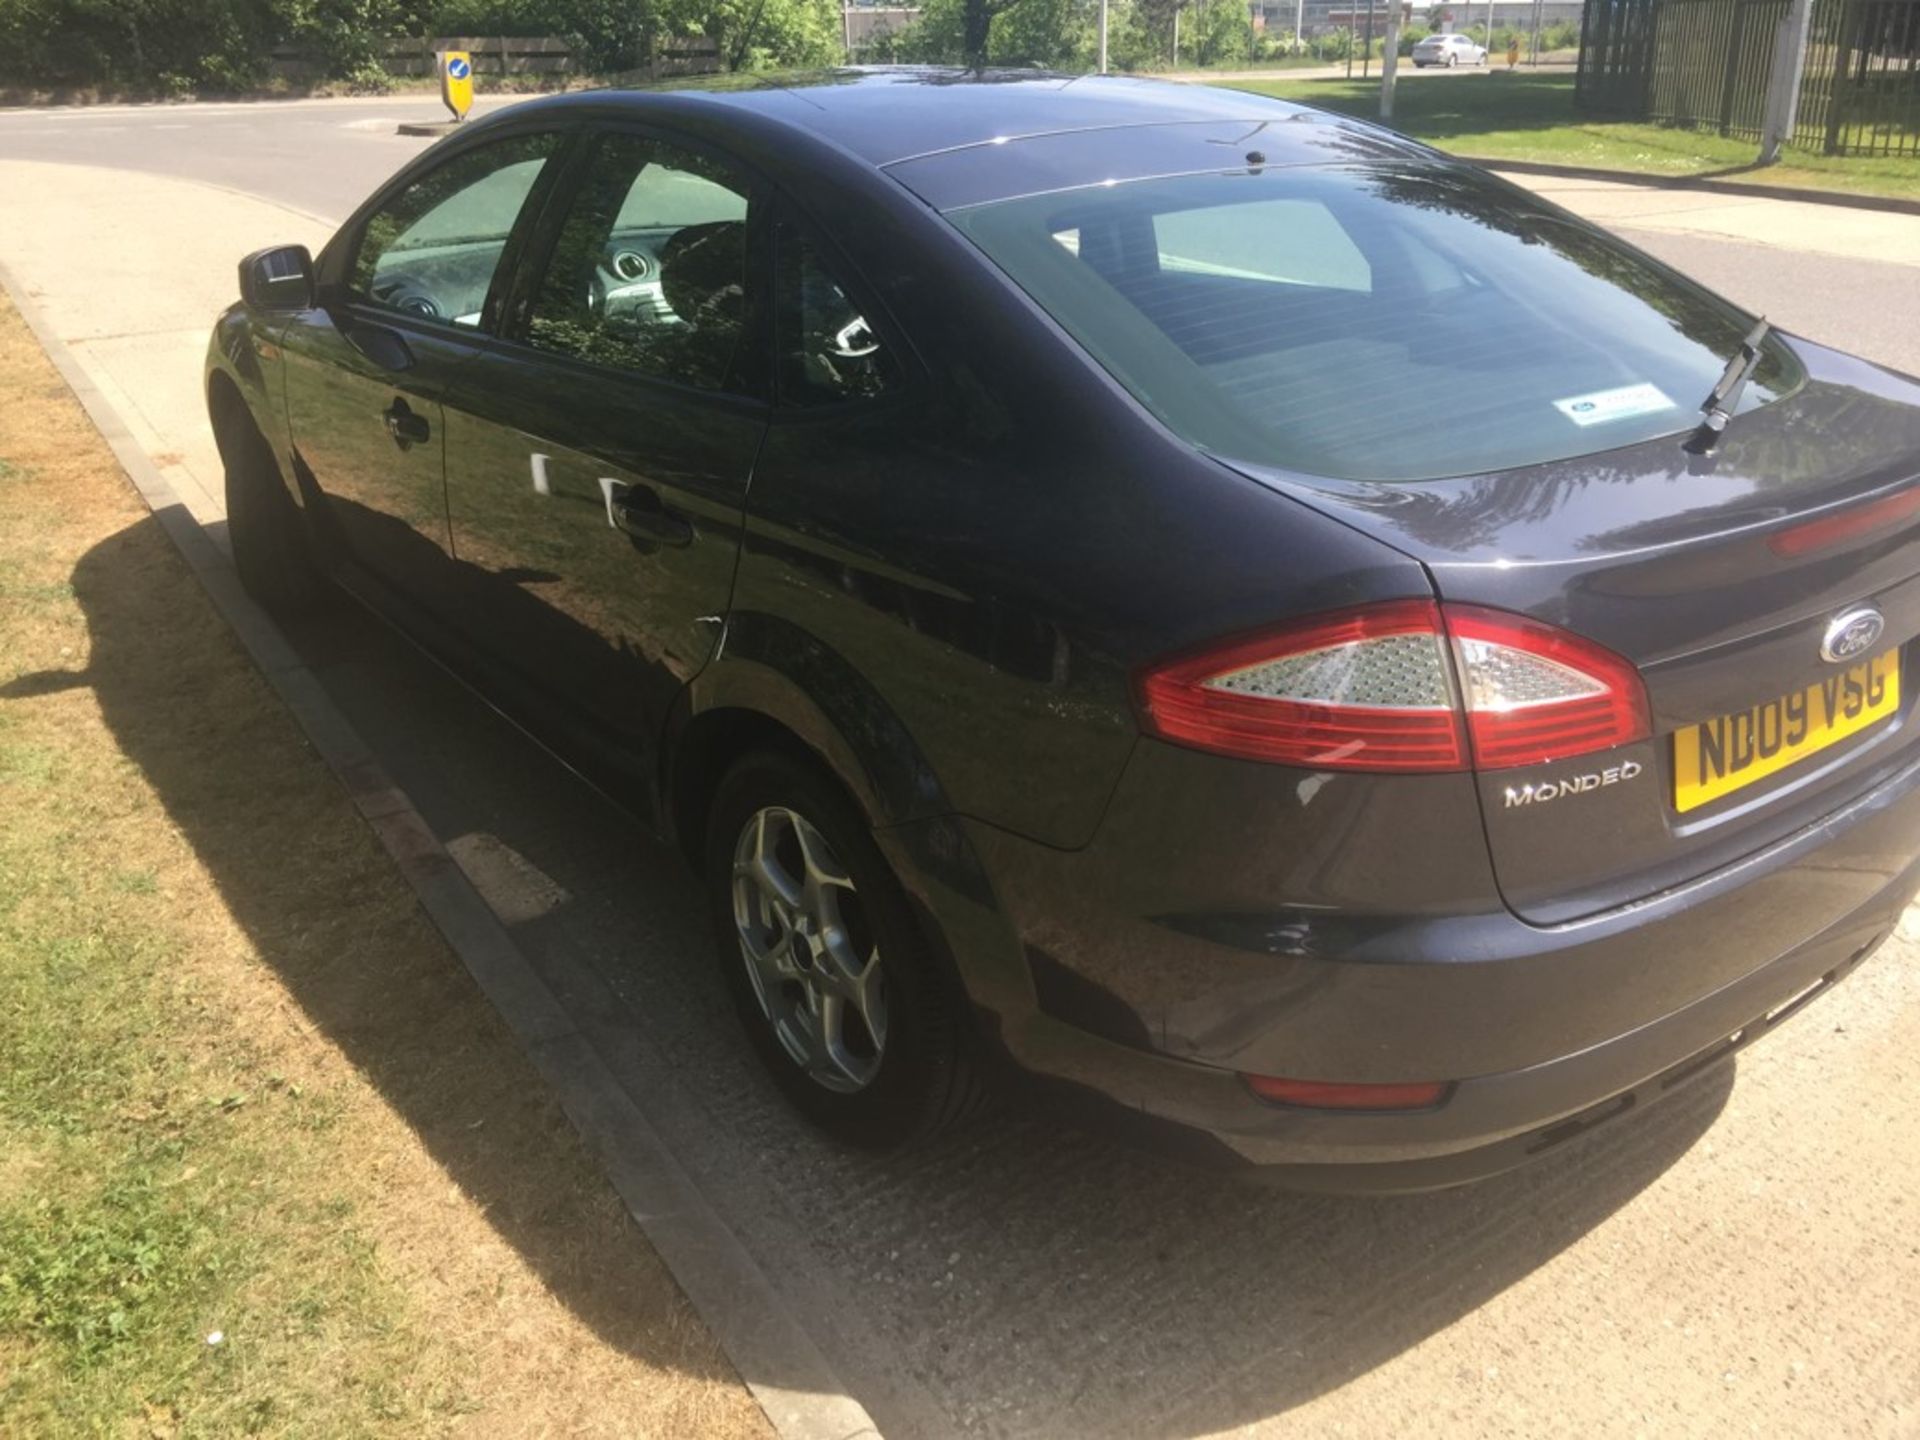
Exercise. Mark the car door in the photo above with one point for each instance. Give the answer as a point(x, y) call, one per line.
point(404, 304)
point(599, 455)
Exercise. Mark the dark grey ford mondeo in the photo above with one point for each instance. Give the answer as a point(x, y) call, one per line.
point(1211, 609)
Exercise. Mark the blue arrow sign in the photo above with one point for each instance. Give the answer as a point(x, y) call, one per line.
point(459, 69)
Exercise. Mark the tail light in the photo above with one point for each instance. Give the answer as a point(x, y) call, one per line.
point(1408, 686)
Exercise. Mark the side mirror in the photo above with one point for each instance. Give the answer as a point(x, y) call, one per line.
point(278, 279)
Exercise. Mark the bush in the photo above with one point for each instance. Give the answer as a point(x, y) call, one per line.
point(184, 46)
point(170, 46)
point(1561, 35)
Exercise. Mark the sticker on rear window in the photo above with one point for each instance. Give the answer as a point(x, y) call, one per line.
point(1620, 404)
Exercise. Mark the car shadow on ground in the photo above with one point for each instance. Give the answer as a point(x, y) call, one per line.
point(241, 786)
point(1015, 1278)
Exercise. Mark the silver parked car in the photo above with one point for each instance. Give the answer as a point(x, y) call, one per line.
point(1448, 50)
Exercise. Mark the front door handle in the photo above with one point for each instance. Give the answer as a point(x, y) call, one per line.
point(638, 510)
point(406, 428)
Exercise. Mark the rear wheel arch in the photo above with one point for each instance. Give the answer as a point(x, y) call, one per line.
point(709, 745)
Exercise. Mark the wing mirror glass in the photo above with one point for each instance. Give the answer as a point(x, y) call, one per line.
point(280, 278)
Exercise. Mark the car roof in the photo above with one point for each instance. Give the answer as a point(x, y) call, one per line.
point(889, 114)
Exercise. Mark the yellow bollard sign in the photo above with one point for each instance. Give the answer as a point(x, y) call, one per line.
point(456, 82)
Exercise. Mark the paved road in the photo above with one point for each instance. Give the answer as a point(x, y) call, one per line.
point(1742, 1258)
point(317, 156)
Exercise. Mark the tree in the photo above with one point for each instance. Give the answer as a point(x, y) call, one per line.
point(976, 25)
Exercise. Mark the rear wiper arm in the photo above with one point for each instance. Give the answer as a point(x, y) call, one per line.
point(1717, 409)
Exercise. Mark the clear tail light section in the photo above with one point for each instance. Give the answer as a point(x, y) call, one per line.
point(1407, 686)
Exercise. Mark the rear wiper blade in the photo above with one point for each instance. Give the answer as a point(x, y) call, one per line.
point(1717, 409)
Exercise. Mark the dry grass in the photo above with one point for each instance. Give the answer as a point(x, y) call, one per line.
point(244, 1086)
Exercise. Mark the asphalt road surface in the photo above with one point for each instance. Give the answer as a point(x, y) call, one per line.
point(1742, 1258)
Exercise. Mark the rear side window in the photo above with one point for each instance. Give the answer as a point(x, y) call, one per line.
point(828, 350)
point(433, 249)
point(1392, 322)
point(650, 274)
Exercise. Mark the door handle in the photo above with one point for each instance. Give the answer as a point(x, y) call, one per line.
point(638, 510)
point(406, 428)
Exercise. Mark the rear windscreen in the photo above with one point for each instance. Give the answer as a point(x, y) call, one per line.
point(1392, 322)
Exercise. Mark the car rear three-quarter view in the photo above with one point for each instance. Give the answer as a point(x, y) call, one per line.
point(1268, 635)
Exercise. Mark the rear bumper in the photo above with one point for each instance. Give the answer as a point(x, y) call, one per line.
point(1742, 948)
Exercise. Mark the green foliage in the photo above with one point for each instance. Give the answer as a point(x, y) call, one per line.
point(756, 34)
point(177, 47)
point(167, 45)
point(1215, 32)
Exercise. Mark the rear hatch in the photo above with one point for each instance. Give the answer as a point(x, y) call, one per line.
point(1502, 391)
point(1721, 580)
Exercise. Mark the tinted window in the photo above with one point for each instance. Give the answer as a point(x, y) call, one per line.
point(433, 249)
point(828, 351)
point(1387, 323)
point(650, 270)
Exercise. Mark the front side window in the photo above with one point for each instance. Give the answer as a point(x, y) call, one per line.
point(433, 249)
point(649, 273)
point(828, 351)
point(1386, 322)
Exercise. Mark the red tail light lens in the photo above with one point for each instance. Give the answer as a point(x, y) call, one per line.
point(1535, 693)
point(1360, 690)
point(1376, 689)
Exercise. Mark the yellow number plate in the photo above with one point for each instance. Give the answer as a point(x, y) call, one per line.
point(1722, 755)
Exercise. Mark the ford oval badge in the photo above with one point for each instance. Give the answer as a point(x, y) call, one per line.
point(1852, 635)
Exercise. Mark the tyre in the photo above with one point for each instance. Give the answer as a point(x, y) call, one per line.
point(264, 527)
point(837, 989)
point(1453, 59)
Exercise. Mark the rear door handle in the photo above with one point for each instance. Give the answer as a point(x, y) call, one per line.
point(406, 428)
point(638, 510)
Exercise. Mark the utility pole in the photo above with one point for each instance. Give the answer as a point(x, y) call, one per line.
point(1176, 35)
point(1103, 37)
point(1389, 59)
point(1299, 14)
point(1783, 86)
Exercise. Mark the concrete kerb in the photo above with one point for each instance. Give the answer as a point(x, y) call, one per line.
point(1889, 204)
point(724, 1283)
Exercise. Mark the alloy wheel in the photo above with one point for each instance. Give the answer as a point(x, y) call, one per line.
point(809, 951)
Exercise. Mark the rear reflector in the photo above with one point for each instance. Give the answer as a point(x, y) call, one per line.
point(1325, 1095)
point(1375, 689)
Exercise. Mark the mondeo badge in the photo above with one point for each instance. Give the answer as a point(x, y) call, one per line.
point(1852, 635)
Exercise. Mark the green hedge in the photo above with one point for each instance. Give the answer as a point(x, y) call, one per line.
point(184, 46)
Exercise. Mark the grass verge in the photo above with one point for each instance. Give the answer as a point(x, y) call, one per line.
point(1522, 116)
point(269, 1164)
